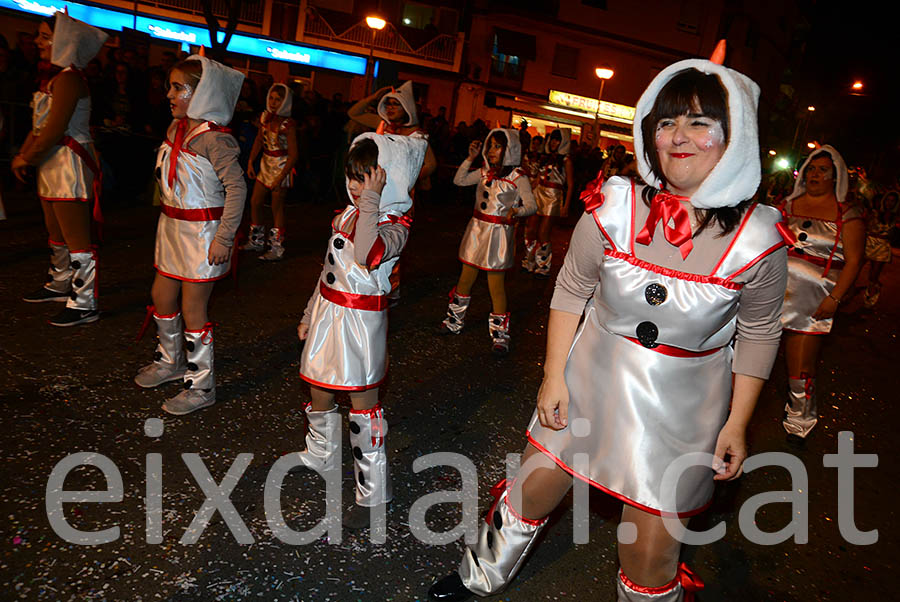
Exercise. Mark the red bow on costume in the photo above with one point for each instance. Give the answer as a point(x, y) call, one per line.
point(690, 582)
point(176, 148)
point(667, 207)
point(591, 195)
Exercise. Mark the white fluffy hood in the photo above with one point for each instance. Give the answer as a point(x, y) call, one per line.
point(513, 154)
point(75, 43)
point(401, 157)
point(564, 143)
point(284, 110)
point(217, 92)
point(840, 186)
point(736, 176)
point(405, 95)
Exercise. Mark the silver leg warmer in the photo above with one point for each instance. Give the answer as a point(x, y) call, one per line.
point(528, 260)
point(370, 462)
point(680, 589)
point(59, 276)
point(456, 312)
point(276, 245)
point(199, 380)
point(801, 410)
point(323, 439)
point(84, 281)
point(498, 327)
point(168, 360)
point(504, 541)
point(257, 238)
point(543, 258)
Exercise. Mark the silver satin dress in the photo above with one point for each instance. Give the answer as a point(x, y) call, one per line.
point(489, 240)
point(649, 371)
point(814, 265)
point(550, 191)
point(191, 208)
point(63, 175)
point(275, 156)
point(346, 348)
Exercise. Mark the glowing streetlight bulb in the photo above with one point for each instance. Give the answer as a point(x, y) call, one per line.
point(782, 163)
point(604, 72)
point(772, 153)
point(810, 108)
point(376, 22)
point(810, 145)
point(857, 85)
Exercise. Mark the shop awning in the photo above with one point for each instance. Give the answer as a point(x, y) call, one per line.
point(516, 43)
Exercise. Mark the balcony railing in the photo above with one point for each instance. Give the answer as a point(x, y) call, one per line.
point(251, 13)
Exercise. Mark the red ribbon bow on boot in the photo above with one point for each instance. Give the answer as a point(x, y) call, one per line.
point(666, 207)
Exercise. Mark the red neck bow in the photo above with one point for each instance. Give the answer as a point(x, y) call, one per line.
point(176, 148)
point(591, 195)
point(666, 207)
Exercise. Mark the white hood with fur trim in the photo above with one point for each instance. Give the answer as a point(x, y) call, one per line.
point(75, 43)
point(284, 110)
point(736, 176)
point(401, 157)
point(513, 154)
point(840, 186)
point(564, 143)
point(217, 92)
point(404, 94)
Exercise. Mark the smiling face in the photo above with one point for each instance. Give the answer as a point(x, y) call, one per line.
point(688, 147)
point(495, 151)
point(395, 111)
point(819, 176)
point(44, 41)
point(276, 97)
point(181, 90)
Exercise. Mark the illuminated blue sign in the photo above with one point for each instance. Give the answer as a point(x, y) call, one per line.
point(194, 35)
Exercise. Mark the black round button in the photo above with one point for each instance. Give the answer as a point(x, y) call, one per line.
point(73, 296)
point(331, 259)
point(361, 479)
point(188, 384)
point(192, 366)
point(78, 282)
point(354, 428)
point(330, 278)
point(484, 205)
point(490, 539)
point(76, 264)
point(485, 194)
point(357, 453)
point(498, 520)
point(157, 355)
point(647, 332)
point(802, 236)
point(655, 294)
point(807, 224)
point(338, 243)
point(189, 345)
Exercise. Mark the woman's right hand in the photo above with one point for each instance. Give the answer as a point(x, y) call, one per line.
point(303, 331)
point(251, 171)
point(553, 403)
point(474, 149)
point(19, 168)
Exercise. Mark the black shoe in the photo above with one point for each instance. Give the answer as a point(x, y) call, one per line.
point(357, 517)
point(74, 317)
point(43, 294)
point(449, 589)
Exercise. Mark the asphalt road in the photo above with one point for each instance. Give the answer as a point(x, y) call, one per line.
point(70, 390)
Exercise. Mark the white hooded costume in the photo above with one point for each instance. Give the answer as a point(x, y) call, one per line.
point(346, 348)
point(489, 240)
point(404, 95)
point(275, 142)
point(816, 257)
point(550, 192)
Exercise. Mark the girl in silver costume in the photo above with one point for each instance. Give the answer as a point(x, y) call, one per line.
point(488, 244)
point(657, 282)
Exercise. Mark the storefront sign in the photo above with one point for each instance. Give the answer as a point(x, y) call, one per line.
point(606, 110)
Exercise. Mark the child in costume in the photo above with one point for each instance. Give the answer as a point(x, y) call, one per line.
point(489, 244)
point(883, 216)
point(68, 173)
point(277, 138)
point(202, 192)
point(553, 194)
point(345, 322)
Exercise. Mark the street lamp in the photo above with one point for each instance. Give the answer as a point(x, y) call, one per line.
point(376, 24)
point(857, 85)
point(604, 73)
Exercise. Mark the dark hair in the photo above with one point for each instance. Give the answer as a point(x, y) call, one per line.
point(361, 158)
point(503, 141)
point(556, 135)
point(688, 91)
point(818, 155)
point(50, 21)
point(192, 68)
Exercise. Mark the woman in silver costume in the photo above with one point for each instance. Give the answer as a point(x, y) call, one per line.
point(68, 173)
point(829, 238)
point(202, 193)
point(488, 244)
point(657, 282)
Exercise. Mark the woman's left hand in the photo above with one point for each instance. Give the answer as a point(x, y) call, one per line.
point(19, 167)
point(218, 253)
point(827, 308)
point(731, 451)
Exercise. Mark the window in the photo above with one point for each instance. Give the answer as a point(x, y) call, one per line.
point(689, 19)
point(565, 61)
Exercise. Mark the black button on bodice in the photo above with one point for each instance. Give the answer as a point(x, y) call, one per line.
point(330, 278)
point(498, 520)
point(78, 282)
point(647, 332)
point(331, 259)
point(807, 224)
point(484, 205)
point(192, 366)
point(338, 243)
point(802, 236)
point(655, 294)
point(485, 194)
point(76, 264)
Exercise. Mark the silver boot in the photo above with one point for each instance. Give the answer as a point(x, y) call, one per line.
point(199, 379)
point(59, 277)
point(323, 440)
point(168, 360)
point(81, 308)
point(371, 471)
point(456, 313)
point(498, 327)
point(257, 239)
point(801, 412)
point(276, 245)
point(528, 260)
point(543, 258)
point(680, 589)
point(504, 540)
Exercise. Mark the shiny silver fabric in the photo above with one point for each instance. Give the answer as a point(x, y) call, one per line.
point(543, 259)
point(498, 328)
point(62, 175)
point(276, 245)
point(372, 472)
point(456, 312)
point(528, 263)
point(645, 408)
point(200, 374)
point(323, 439)
point(504, 541)
point(808, 284)
point(169, 361)
point(256, 241)
point(550, 198)
point(624, 593)
point(182, 246)
point(347, 348)
point(486, 245)
point(878, 245)
point(801, 411)
point(84, 281)
point(59, 275)
point(270, 166)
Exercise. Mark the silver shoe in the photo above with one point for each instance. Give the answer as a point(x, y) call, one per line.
point(168, 360)
point(189, 400)
point(199, 379)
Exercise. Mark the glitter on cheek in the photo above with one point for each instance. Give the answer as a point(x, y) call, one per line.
point(186, 93)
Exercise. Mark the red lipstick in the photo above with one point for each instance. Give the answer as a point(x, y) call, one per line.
point(681, 155)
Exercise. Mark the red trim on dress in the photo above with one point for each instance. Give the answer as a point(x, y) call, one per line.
point(549, 184)
point(673, 351)
point(183, 279)
point(55, 243)
point(275, 153)
point(673, 273)
point(484, 268)
point(837, 264)
point(376, 253)
point(493, 219)
point(353, 300)
point(206, 214)
point(805, 331)
point(615, 494)
point(62, 199)
point(343, 387)
point(643, 589)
